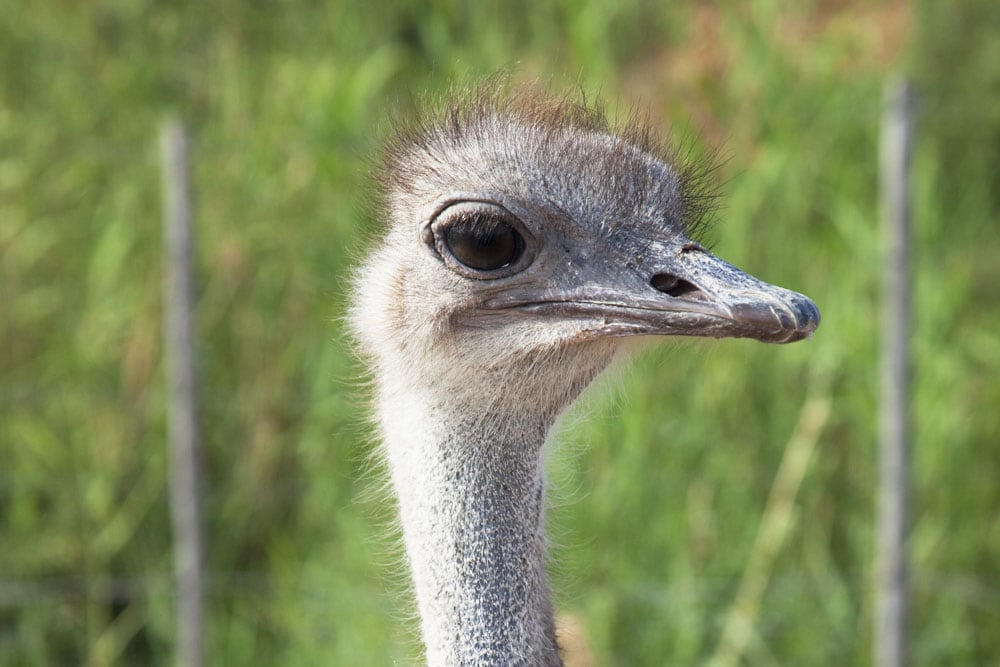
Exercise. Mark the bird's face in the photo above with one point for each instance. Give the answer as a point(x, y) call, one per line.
point(510, 240)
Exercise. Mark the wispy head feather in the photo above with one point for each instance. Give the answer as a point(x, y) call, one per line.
point(476, 113)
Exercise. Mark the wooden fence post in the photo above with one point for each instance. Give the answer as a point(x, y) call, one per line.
point(185, 505)
point(892, 576)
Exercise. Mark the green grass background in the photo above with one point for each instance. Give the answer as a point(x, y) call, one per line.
point(660, 483)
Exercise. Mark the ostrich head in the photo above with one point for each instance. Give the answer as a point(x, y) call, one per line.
point(526, 243)
point(529, 237)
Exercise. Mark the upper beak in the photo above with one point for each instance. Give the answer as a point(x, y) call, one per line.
point(697, 282)
point(689, 293)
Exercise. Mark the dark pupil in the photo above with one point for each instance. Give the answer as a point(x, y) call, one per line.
point(483, 242)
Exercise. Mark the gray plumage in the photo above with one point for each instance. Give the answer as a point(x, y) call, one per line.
point(526, 242)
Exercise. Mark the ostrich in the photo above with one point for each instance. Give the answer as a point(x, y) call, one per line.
point(527, 243)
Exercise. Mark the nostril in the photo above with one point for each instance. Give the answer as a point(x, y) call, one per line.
point(672, 285)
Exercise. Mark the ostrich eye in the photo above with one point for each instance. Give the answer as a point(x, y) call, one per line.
point(483, 241)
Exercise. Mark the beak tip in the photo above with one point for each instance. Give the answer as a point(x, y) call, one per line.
point(795, 318)
point(806, 318)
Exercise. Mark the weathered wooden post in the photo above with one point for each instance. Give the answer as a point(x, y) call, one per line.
point(892, 576)
point(185, 505)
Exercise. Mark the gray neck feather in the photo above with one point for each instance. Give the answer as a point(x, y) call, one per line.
point(469, 479)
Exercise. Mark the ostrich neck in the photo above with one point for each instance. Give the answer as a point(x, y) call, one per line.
point(471, 488)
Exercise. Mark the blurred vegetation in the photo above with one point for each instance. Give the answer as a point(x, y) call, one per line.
point(657, 501)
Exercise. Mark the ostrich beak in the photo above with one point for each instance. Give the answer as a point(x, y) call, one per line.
point(691, 292)
point(710, 297)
